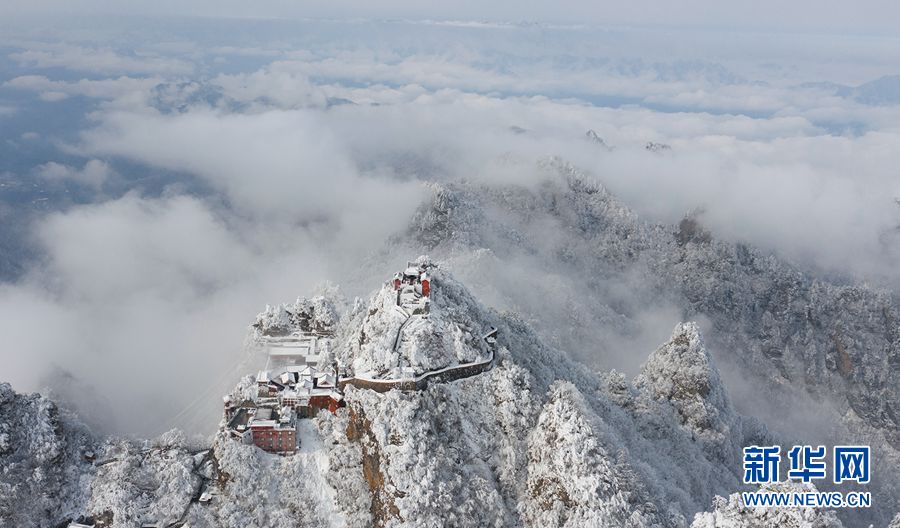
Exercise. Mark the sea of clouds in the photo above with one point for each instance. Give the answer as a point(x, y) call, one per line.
point(198, 169)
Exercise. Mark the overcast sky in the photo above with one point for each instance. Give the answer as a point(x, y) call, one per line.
point(863, 17)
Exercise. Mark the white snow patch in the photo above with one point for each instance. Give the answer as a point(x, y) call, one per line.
point(313, 457)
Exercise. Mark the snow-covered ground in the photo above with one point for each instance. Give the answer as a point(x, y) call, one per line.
point(312, 456)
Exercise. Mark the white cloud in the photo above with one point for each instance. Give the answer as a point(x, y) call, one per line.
point(806, 186)
point(99, 60)
point(281, 88)
point(148, 300)
point(130, 292)
point(113, 88)
point(301, 191)
point(131, 246)
point(94, 172)
point(820, 200)
point(148, 293)
point(280, 164)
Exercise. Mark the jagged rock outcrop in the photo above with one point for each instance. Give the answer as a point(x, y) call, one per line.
point(594, 137)
point(576, 475)
point(653, 146)
point(681, 372)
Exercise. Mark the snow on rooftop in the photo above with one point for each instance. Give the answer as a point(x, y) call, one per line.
point(290, 351)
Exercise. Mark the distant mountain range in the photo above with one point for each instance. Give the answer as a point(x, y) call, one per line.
point(881, 91)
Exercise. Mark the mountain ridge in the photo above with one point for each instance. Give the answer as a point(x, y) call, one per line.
point(474, 452)
point(498, 448)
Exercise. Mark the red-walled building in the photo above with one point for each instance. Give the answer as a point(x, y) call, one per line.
point(274, 432)
point(331, 400)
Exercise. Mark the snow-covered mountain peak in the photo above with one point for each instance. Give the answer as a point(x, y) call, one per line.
point(594, 137)
point(682, 368)
point(682, 372)
point(529, 438)
point(584, 479)
point(404, 333)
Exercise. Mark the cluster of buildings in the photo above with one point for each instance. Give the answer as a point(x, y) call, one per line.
point(296, 384)
point(413, 287)
point(291, 387)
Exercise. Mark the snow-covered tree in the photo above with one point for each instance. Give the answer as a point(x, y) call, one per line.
point(732, 513)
